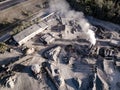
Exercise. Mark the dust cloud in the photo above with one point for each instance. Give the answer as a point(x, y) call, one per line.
point(62, 8)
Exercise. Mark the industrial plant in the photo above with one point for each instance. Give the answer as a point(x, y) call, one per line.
point(61, 49)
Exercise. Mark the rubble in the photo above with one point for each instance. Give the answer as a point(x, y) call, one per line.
point(107, 52)
point(77, 82)
point(49, 74)
point(103, 51)
point(11, 82)
point(70, 57)
point(102, 33)
point(29, 51)
point(35, 68)
point(52, 54)
point(117, 63)
point(58, 28)
point(115, 42)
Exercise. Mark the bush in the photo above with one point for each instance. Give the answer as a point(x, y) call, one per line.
point(3, 47)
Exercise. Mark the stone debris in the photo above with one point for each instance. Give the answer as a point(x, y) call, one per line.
point(29, 51)
point(35, 68)
point(11, 81)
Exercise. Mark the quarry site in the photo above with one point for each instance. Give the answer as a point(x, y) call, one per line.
point(61, 50)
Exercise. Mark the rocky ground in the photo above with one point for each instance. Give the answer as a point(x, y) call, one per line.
point(78, 55)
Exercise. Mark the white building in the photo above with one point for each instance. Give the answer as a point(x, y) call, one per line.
point(48, 38)
point(28, 33)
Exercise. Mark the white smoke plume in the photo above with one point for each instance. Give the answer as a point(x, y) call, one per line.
point(64, 10)
point(59, 5)
point(91, 35)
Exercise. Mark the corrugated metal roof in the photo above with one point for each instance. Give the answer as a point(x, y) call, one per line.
point(42, 24)
point(20, 36)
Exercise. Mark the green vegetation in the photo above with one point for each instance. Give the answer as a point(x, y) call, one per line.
point(26, 13)
point(108, 10)
point(4, 24)
point(24, 24)
point(21, 27)
point(3, 47)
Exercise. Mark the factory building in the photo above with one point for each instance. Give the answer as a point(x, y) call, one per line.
point(29, 33)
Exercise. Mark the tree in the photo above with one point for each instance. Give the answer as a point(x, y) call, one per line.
point(3, 47)
point(108, 10)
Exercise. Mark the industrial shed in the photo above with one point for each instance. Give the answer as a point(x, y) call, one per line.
point(28, 33)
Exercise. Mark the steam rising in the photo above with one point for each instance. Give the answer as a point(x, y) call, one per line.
point(64, 11)
point(59, 5)
point(91, 35)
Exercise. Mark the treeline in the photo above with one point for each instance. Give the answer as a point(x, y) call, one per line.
point(108, 10)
